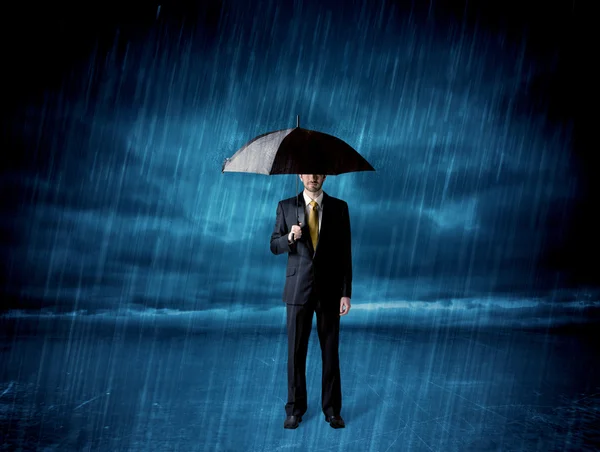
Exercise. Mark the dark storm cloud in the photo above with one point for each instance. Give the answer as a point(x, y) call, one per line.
point(440, 211)
point(92, 168)
point(455, 170)
point(92, 264)
point(128, 205)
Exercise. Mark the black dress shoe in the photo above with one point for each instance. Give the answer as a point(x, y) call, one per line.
point(292, 421)
point(335, 421)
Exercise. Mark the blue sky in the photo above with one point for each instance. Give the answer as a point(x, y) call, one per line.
point(131, 208)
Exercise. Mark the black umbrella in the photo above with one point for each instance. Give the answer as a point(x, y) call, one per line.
point(296, 151)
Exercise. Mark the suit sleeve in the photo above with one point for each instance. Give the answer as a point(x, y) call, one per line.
point(347, 253)
point(279, 238)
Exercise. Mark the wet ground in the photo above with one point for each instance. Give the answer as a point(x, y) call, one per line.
point(176, 384)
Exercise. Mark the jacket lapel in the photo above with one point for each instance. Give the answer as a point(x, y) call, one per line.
point(323, 220)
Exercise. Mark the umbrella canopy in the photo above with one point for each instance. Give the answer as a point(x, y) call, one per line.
point(296, 151)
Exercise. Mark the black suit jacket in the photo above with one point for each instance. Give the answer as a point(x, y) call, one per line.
point(326, 270)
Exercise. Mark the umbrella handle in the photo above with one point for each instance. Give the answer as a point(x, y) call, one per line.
point(294, 235)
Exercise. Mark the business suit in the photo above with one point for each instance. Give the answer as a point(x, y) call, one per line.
point(316, 279)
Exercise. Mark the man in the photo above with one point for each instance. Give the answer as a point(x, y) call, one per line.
point(314, 230)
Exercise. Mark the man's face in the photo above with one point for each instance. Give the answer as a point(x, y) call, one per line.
point(312, 182)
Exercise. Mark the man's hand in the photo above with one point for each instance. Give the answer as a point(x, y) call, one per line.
point(296, 231)
point(344, 305)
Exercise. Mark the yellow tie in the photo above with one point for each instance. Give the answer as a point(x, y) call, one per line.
point(313, 224)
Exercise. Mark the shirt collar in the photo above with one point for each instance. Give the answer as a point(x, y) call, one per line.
point(307, 199)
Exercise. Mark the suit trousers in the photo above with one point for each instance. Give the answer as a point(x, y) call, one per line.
point(299, 325)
